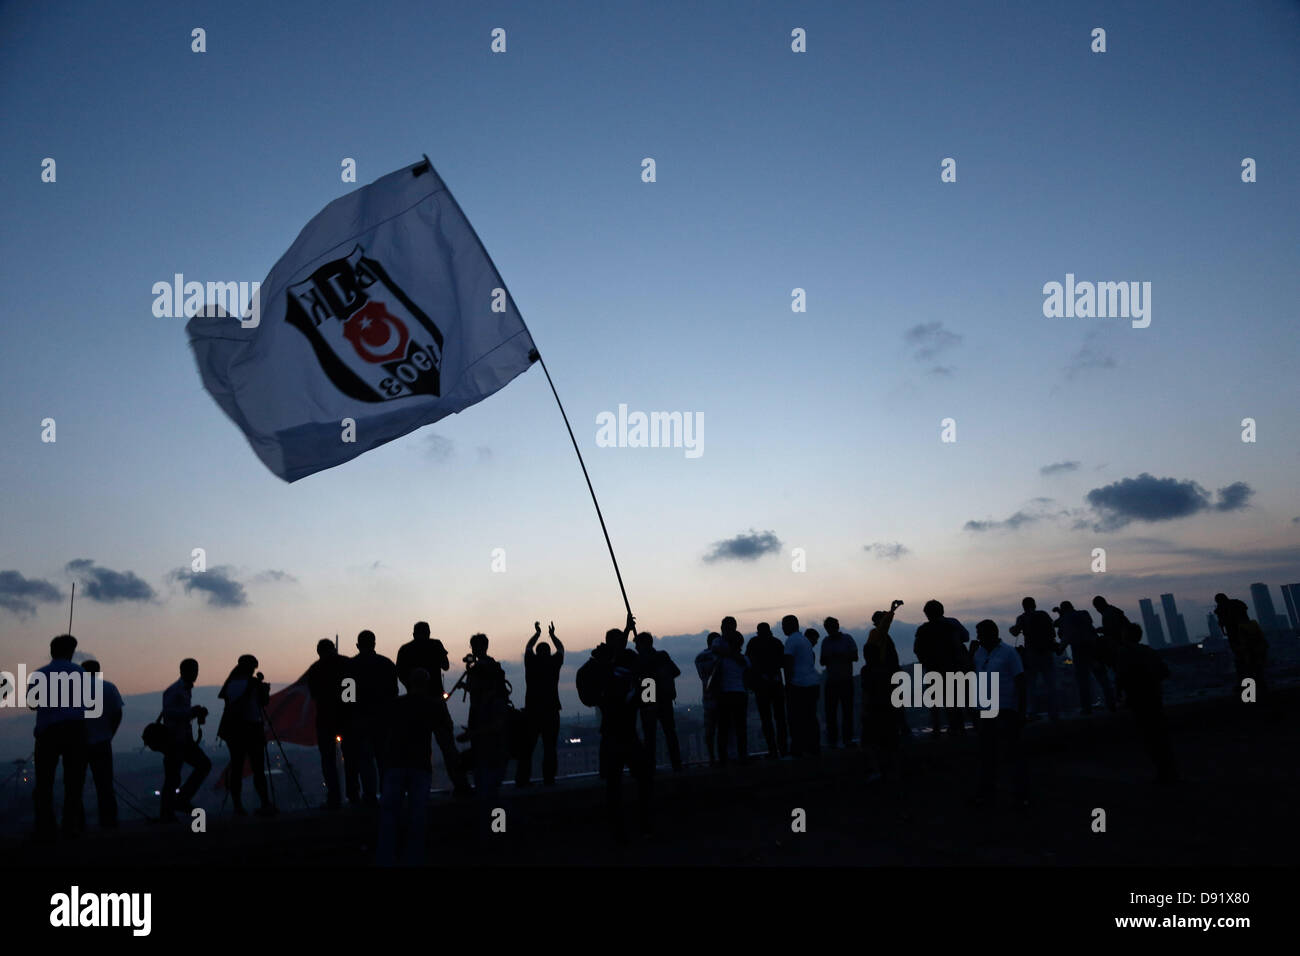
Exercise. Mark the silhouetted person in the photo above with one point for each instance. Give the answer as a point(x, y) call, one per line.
point(1139, 671)
point(803, 684)
point(1245, 639)
point(940, 647)
point(659, 667)
point(706, 664)
point(999, 737)
point(60, 735)
point(880, 718)
point(733, 703)
point(1076, 632)
point(488, 728)
point(839, 654)
point(1110, 635)
point(766, 656)
point(374, 693)
point(1039, 631)
point(408, 770)
point(178, 710)
point(246, 694)
point(611, 671)
point(325, 684)
point(541, 705)
point(429, 653)
point(99, 746)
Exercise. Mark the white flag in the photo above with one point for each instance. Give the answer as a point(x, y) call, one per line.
point(386, 310)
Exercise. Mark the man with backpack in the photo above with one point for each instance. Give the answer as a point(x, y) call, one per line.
point(608, 681)
point(657, 666)
point(1039, 632)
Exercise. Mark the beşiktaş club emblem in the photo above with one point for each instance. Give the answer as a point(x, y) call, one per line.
point(371, 340)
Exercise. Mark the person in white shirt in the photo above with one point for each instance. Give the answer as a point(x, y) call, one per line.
point(999, 736)
point(60, 735)
point(99, 746)
point(803, 683)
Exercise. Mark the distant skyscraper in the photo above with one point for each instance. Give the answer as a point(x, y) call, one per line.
point(1264, 612)
point(1151, 624)
point(1182, 630)
point(1216, 632)
point(1291, 595)
point(1177, 633)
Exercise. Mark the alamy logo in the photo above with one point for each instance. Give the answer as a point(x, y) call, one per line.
point(75, 908)
point(959, 689)
point(1102, 300)
point(656, 430)
point(180, 299)
point(54, 690)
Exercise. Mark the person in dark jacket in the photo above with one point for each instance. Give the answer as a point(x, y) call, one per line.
point(1039, 632)
point(881, 728)
point(246, 694)
point(839, 654)
point(655, 665)
point(325, 684)
point(1140, 671)
point(766, 655)
point(940, 646)
point(408, 770)
point(374, 690)
point(541, 706)
point(422, 651)
point(612, 670)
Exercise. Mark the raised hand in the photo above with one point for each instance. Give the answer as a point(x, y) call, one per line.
point(550, 631)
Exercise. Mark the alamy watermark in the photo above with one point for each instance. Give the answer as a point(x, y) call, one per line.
point(655, 430)
point(1101, 300)
point(179, 299)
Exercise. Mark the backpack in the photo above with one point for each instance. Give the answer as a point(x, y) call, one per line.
point(157, 737)
point(590, 682)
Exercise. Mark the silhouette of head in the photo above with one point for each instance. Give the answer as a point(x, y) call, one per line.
point(644, 642)
point(543, 650)
point(832, 626)
point(63, 647)
point(734, 640)
point(421, 631)
point(790, 624)
point(932, 610)
point(764, 629)
point(417, 682)
point(325, 648)
point(478, 645)
point(1099, 603)
point(716, 642)
point(189, 670)
point(366, 641)
point(1220, 598)
point(1029, 604)
point(616, 639)
point(1067, 607)
point(812, 635)
point(728, 625)
point(986, 632)
point(90, 667)
point(877, 617)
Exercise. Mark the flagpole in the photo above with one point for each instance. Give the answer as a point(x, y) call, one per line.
point(71, 600)
point(536, 356)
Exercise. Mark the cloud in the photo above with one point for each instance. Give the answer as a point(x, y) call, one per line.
point(744, 547)
point(887, 550)
point(19, 594)
point(1014, 523)
point(929, 339)
point(438, 448)
point(1233, 497)
point(221, 589)
point(108, 586)
point(274, 577)
point(1147, 498)
point(1091, 355)
point(942, 371)
point(484, 454)
point(1059, 467)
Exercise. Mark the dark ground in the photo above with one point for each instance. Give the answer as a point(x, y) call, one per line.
point(1235, 807)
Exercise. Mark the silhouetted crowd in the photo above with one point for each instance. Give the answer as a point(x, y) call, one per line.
point(386, 737)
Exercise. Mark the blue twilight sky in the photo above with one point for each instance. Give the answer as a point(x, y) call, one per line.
point(775, 170)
